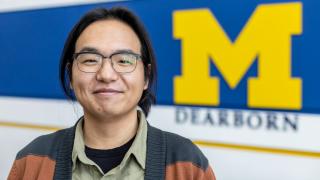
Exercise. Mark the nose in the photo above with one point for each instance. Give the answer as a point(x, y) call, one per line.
point(106, 73)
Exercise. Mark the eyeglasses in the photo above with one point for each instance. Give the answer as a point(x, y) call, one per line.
point(121, 62)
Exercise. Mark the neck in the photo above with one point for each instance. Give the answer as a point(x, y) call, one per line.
point(109, 132)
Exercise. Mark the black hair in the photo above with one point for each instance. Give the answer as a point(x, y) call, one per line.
point(148, 57)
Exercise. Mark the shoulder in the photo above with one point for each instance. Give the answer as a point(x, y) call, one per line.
point(37, 160)
point(181, 149)
point(184, 160)
point(45, 145)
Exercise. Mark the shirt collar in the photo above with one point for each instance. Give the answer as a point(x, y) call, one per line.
point(138, 148)
point(139, 145)
point(78, 151)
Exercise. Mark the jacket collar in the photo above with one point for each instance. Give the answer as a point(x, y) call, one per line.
point(155, 159)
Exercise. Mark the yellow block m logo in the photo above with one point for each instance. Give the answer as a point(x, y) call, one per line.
point(266, 37)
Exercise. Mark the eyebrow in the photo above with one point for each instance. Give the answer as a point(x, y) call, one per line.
point(94, 50)
point(89, 49)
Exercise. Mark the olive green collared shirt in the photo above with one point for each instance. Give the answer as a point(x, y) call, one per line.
point(132, 167)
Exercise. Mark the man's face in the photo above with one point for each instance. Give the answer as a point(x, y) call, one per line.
point(107, 92)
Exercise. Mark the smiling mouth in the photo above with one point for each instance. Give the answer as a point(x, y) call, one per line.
point(107, 92)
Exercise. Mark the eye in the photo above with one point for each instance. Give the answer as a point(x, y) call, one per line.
point(124, 59)
point(125, 62)
point(89, 61)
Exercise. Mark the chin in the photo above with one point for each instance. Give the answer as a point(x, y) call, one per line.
point(111, 110)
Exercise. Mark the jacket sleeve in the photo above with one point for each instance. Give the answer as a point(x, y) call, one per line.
point(35, 160)
point(188, 171)
point(14, 172)
point(32, 167)
point(185, 161)
point(208, 174)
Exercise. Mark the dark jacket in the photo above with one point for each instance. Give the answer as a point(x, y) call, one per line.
point(169, 156)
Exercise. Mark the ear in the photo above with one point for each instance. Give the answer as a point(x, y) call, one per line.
point(146, 81)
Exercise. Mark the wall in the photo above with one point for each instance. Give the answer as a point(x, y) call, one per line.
point(239, 78)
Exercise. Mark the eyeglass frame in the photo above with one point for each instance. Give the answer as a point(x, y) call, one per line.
point(137, 56)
